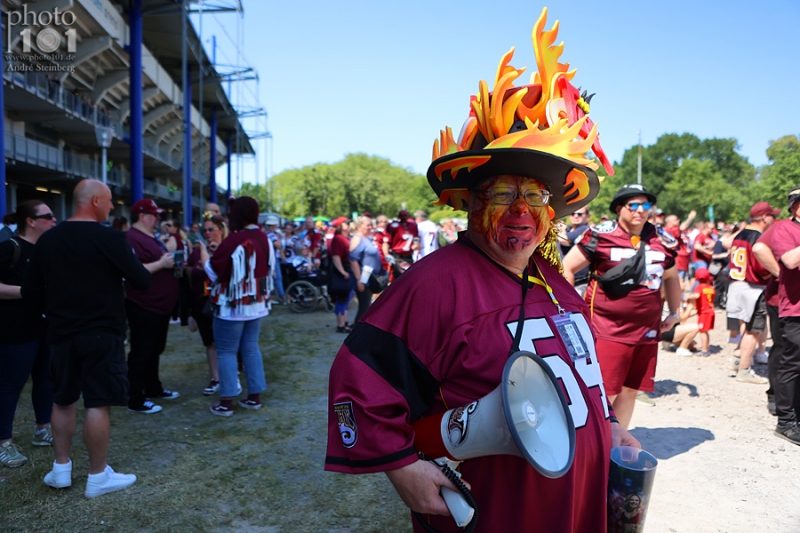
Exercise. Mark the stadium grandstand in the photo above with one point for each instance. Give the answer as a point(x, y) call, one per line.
point(125, 82)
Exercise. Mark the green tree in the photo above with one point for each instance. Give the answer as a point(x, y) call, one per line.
point(661, 162)
point(359, 183)
point(782, 173)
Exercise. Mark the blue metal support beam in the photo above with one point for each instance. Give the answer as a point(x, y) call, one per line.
point(228, 161)
point(2, 138)
point(187, 129)
point(212, 157)
point(136, 120)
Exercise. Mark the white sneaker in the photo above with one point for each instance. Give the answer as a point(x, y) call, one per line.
point(60, 477)
point(108, 481)
point(684, 352)
point(762, 358)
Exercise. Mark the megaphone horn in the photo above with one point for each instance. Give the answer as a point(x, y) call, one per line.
point(526, 416)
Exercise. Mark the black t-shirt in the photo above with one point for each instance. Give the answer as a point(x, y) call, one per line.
point(75, 276)
point(20, 321)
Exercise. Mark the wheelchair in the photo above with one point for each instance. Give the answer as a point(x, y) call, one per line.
point(307, 291)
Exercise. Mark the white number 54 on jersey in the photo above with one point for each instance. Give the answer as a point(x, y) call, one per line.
point(588, 368)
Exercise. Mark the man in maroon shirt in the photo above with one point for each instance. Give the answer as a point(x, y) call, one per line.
point(438, 338)
point(746, 292)
point(149, 310)
point(703, 246)
point(628, 327)
point(785, 247)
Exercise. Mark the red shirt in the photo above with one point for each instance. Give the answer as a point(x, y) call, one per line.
point(162, 295)
point(703, 240)
point(387, 374)
point(636, 317)
point(401, 236)
point(771, 292)
point(787, 237)
point(340, 246)
point(221, 262)
point(743, 263)
point(705, 300)
point(380, 238)
point(682, 259)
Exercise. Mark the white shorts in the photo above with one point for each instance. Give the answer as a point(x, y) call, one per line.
point(742, 299)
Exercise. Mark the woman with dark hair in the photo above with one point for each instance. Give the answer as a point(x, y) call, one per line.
point(120, 223)
point(241, 270)
point(23, 351)
point(342, 283)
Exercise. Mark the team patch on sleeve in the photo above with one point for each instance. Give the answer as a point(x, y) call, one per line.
point(606, 227)
point(346, 419)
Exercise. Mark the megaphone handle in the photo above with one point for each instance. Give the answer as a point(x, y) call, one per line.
point(459, 508)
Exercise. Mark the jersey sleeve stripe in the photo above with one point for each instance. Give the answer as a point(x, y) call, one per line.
point(369, 463)
point(388, 356)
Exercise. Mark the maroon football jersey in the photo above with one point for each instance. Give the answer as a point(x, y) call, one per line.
point(636, 317)
point(438, 338)
point(401, 236)
point(743, 263)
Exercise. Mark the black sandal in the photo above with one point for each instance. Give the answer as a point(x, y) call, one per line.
point(343, 329)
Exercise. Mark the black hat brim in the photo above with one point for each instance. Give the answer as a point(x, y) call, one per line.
point(620, 198)
point(466, 170)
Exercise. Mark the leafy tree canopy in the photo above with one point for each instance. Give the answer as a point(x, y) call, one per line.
point(685, 172)
point(714, 174)
point(359, 183)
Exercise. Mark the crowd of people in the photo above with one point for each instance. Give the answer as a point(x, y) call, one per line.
point(440, 311)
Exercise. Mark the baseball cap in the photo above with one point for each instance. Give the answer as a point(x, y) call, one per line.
point(338, 221)
point(702, 274)
point(629, 191)
point(272, 220)
point(658, 212)
point(794, 196)
point(761, 209)
point(146, 205)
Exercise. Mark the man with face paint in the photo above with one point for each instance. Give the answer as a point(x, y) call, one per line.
point(439, 337)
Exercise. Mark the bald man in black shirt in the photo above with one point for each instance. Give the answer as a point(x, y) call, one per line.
point(75, 277)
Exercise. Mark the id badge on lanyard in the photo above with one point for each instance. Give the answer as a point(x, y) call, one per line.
point(570, 335)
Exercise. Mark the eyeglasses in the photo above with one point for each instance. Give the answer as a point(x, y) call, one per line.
point(167, 224)
point(634, 206)
point(209, 230)
point(578, 214)
point(48, 216)
point(507, 196)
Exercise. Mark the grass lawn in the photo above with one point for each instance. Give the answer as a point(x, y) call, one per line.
point(258, 471)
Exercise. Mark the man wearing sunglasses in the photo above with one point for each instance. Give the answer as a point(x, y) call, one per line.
point(578, 224)
point(628, 328)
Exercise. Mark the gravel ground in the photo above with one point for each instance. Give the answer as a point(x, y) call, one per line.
point(721, 468)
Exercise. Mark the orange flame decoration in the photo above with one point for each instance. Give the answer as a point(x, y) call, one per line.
point(458, 198)
point(576, 186)
point(569, 134)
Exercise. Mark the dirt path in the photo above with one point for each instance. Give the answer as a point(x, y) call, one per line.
point(720, 469)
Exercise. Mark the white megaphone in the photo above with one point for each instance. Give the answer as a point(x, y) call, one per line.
point(526, 415)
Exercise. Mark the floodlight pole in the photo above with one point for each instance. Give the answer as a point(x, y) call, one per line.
point(104, 137)
point(639, 167)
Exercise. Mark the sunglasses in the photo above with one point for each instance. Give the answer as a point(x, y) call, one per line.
point(578, 214)
point(48, 216)
point(633, 206)
point(209, 230)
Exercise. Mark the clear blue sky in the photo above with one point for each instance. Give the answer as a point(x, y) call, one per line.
point(384, 77)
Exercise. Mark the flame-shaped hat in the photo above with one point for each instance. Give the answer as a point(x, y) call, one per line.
point(541, 130)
